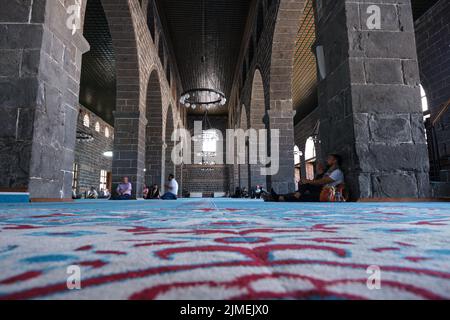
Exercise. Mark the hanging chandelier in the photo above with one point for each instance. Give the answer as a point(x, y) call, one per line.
point(205, 98)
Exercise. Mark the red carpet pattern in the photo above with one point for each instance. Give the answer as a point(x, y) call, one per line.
point(225, 249)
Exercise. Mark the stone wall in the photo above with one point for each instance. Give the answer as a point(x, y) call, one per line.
point(89, 154)
point(433, 48)
point(39, 92)
point(207, 178)
point(39, 85)
point(370, 102)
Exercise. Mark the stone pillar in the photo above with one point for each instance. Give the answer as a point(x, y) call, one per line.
point(369, 101)
point(281, 119)
point(129, 150)
point(40, 66)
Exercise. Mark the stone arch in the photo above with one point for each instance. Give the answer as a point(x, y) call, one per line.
point(283, 49)
point(154, 132)
point(281, 112)
point(257, 122)
point(169, 166)
point(120, 21)
point(129, 121)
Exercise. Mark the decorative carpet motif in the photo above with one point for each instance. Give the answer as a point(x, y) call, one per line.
point(224, 249)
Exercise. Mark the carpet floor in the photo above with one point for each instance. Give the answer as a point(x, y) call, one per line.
point(225, 249)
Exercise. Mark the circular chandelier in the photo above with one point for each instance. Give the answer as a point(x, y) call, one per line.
point(202, 97)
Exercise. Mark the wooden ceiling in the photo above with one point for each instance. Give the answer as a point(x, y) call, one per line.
point(218, 40)
point(224, 27)
point(98, 76)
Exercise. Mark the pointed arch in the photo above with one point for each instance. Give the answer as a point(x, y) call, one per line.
point(120, 21)
point(283, 48)
point(154, 134)
point(244, 168)
point(257, 122)
point(169, 166)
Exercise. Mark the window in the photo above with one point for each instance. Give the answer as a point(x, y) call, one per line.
point(423, 96)
point(297, 166)
point(86, 120)
point(97, 127)
point(107, 134)
point(310, 150)
point(103, 179)
point(310, 157)
point(210, 138)
point(209, 146)
point(75, 177)
point(297, 155)
point(424, 99)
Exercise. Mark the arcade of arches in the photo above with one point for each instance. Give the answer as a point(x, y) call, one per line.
point(85, 106)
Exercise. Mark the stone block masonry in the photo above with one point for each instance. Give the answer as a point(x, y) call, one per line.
point(370, 103)
point(40, 63)
point(89, 155)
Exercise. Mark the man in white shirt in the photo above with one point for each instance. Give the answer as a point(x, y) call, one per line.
point(172, 189)
point(308, 189)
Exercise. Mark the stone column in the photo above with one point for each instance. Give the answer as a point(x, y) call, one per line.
point(129, 150)
point(369, 101)
point(281, 119)
point(40, 67)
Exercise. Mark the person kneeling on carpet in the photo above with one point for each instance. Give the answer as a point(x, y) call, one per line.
point(172, 187)
point(124, 190)
point(313, 190)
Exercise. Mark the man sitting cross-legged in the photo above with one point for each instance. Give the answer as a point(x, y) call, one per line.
point(172, 189)
point(124, 190)
point(309, 190)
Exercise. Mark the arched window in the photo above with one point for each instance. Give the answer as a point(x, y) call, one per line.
point(310, 150)
point(210, 138)
point(297, 166)
point(297, 155)
point(310, 158)
point(86, 120)
point(97, 126)
point(107, 134)
point(424, 99)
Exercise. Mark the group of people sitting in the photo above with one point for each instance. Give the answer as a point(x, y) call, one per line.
point(92, 193)
point(328, 185)
point(255, 192)
point(125, 188)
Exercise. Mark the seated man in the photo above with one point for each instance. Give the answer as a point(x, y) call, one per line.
point(309, 190)
point(172, 189)
point(124, 190)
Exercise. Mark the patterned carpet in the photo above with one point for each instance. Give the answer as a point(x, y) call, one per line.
point(224, 249)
